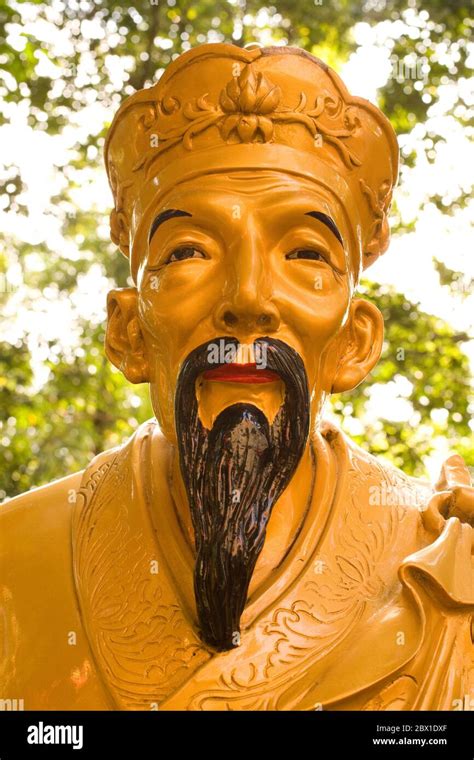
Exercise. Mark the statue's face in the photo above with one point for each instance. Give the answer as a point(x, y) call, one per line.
point(246, 255)
point(264, 263)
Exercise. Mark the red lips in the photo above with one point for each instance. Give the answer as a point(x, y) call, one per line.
point(240, 373)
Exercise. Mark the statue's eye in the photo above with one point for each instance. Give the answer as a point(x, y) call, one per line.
point(185, 252)
point(306, 253)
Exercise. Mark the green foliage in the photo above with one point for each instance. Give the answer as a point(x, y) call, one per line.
point(456, 281)
point(84, 407)
point(426, 352)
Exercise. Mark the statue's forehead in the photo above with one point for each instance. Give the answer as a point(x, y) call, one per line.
point(271, 192)
point(278, 198)
point(245, 182)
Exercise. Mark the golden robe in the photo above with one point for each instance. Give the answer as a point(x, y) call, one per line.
point(365, 611)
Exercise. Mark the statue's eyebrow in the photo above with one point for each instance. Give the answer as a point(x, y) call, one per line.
point(163, 217)
point(325, 219)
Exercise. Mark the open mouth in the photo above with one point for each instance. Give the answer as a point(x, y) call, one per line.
point(241, 373)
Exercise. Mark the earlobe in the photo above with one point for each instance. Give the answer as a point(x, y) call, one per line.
point(361, 346)
point(124, 343)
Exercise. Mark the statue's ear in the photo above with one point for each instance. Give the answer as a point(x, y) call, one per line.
point(360, 345)
point(124, 344)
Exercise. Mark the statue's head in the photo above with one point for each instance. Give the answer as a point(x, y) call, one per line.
point(251, 190)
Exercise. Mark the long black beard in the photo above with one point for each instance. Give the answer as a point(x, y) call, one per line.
point(233, 476)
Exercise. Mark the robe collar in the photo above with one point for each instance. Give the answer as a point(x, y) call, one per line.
point(321, 629)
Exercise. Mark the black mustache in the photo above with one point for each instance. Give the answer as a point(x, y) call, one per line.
point(280, 358)
point(242, 453)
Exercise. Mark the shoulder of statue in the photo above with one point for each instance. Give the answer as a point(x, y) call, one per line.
point(48, 505)
point(380, 479)
point(35, 557)
point(118, 458)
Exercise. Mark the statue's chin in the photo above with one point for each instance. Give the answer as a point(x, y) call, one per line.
point(213, 397)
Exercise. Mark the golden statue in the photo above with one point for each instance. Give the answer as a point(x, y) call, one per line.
point(239, 552)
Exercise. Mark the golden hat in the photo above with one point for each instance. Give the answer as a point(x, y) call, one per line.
point(220, 108)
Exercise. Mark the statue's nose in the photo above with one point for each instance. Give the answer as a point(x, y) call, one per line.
point(261, 318)
point(247, 304)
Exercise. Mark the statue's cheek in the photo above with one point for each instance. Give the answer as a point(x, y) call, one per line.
point(313, 301)
point(178, 292)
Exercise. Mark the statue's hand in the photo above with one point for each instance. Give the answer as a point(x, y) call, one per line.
point(454, 496)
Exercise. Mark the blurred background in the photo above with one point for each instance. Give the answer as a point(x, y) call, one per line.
point(65, 66)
